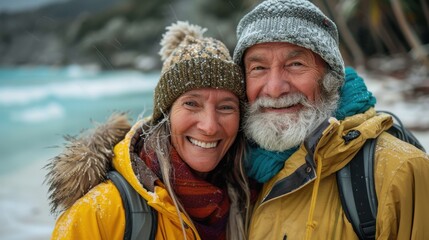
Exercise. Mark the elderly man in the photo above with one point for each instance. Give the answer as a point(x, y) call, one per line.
point(307, 118)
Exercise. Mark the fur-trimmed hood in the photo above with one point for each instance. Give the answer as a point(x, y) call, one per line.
point(84, 162)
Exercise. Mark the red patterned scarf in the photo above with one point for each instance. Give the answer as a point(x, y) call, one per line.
point(207, 204)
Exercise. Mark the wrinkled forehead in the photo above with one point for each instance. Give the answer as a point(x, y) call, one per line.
point(262, 52)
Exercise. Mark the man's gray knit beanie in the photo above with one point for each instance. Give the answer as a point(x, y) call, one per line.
point(293, 21)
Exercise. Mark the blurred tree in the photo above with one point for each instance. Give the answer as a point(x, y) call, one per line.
point(419, 52)
point(367, 28)
point(381, 27)
point(336, 10)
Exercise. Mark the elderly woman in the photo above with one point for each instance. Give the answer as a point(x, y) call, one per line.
point(185, 161)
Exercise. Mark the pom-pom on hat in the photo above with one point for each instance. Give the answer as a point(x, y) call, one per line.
point(192, 61)
point(298, 22)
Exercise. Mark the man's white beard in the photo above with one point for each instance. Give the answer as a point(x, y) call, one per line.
point(281, 131)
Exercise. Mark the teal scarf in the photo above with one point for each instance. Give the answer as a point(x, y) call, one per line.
point(355, 98)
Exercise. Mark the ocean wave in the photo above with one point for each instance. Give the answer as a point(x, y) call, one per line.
point(77, 88)
point(50, 111)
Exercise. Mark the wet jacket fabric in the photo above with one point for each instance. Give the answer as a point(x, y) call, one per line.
point(99, 214)
point(302, 200)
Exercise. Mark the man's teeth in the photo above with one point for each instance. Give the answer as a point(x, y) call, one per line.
point(284, 106)
point(203, 144)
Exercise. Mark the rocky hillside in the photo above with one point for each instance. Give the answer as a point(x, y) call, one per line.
point(110, 34)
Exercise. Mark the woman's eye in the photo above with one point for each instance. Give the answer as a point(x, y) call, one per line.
point(228, 108)
point(190, 103)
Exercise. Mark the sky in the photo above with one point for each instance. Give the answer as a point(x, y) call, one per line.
point(21, 5)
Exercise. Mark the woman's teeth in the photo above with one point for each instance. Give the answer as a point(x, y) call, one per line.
point(203, 144)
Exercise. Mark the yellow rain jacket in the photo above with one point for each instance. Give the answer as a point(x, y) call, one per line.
point(99, 214)
point(302, 200)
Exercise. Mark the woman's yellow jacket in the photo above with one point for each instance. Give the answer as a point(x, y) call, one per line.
point(99, 214)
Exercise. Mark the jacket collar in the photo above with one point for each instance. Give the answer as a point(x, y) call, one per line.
point(334, 143)
point(127, 162)
point(84, 162)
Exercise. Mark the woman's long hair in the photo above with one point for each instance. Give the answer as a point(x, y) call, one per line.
point(157, 140)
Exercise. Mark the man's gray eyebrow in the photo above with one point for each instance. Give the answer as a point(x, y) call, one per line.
point(295, 53)
point(260, 57)
point(255, 58)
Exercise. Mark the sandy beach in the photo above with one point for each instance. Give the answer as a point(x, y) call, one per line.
point(24, 205)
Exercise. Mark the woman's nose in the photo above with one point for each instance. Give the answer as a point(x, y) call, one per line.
point(208, 122)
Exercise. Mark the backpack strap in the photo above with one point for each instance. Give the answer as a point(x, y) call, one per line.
point(356, 182)
point(140, 219)
point(357, 191)
point(398, 130)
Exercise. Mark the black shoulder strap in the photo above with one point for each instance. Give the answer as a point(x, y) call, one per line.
point(357, 191)
point(140, 219)
point(356, 182)
point(398, 130)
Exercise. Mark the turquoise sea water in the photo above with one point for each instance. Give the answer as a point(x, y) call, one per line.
point(39, 105)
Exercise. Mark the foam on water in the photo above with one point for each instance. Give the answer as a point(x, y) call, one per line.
point(76, 88)
point(50, 111)
point(39, 105)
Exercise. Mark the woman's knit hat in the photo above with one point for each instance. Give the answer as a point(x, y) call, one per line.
point(192, 61)
point(297, 22)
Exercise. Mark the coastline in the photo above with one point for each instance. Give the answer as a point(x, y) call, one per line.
point(24, 204)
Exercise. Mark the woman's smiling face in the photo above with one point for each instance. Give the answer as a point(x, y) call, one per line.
point(204, 124)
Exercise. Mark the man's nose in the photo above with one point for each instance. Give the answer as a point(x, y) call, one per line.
point(277, 84)
point(208, 123)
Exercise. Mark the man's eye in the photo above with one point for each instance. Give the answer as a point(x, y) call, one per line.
point(255, 71)
point(258, 68)
point(296, 64)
